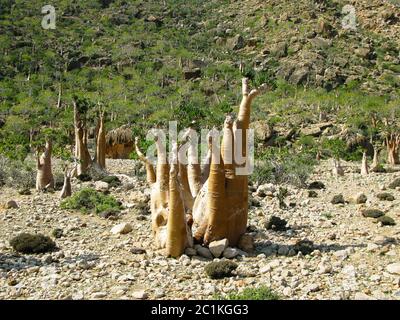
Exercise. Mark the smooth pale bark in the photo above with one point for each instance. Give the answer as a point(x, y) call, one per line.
point(150, 173)
point(44, 176)
point(337, 168)
point(101, 143)
point(364, 165)
point(81, 149)
point(176, 241)
point(193, 168)
point(393, 146)
point(67, 189)
point(375, 161)
point(216, 227)
point(160, 195)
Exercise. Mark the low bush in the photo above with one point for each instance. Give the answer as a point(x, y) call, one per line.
point(32, 243)
point(89, 200)
point(220, 269)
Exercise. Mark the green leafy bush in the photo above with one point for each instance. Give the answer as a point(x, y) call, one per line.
point(32, 243)
point(260, 293)
point(89, 200)
point(220, 269)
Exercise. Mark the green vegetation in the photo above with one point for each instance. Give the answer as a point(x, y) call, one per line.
point(284, 165)
point(220, 269)
point(260, 293)
point(32, 243)
point(89, 200)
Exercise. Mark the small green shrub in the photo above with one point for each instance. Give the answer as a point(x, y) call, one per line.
point(89, 200)
point(32, 243)
point(260, 293)
point(220, 269)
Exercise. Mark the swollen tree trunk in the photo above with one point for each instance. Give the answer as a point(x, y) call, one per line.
point(393, 145)
point(226, 208)
point(364, 165)
point(337, 168)
point(66, 190)
point(44, 177)
point(101, 143)
point(81, 148)
point(375, 161)
point(150, 173)
point(177, 233)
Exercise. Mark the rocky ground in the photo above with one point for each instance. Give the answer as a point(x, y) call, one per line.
point(353, 257)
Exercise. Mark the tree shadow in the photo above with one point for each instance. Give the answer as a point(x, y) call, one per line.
point(15, 261)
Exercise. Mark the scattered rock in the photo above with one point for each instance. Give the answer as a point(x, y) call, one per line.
point(246, 243)
point(266, 190)
point(316, 185)
point(11, 204)
point(218, 247)
point(190, 252)
point(312, 194)
point(204, 252)
point(385, 196)
point(236, 43)
point(57, 233)
point(372, 213)
point(394, 268)
point(386, 221)
point(362, 296)
point(137, 250)
point(360, 198)
point(140, 295)
point(338, 199)
point(121, 228)
point(230, 253)
point(101, 186)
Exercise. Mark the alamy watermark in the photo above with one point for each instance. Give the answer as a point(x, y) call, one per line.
point(49, 20)
point(237, 148)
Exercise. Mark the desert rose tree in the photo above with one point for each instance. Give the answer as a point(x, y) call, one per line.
point(220, 194)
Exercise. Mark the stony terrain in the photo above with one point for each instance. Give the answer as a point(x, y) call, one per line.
point(350, 258)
